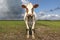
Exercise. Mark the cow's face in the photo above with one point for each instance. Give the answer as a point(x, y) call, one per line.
point(29, 8)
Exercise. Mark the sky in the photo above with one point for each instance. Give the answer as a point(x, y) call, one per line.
point(47, 10)
point(10, 10)
point(47, 5)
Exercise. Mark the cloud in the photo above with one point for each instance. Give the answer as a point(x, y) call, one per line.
point(3, 8)
point(24, 1)
point(50, 17)
point(1, 1)
point(43, 16)
point(10, 9)
point(57, 8)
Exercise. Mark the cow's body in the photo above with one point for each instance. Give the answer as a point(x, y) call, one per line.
point(30, 17)
point(33, 19)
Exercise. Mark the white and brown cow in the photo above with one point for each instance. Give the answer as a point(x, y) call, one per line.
point(30, 17)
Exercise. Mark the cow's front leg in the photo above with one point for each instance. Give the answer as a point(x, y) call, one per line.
point(27, 33)
point(27, 24)
point(27, 28)
point(33, 24)
point(33, 28)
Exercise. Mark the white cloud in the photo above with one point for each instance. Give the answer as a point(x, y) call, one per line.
point(3, 8)
point(24, 1)
point(44, 16)
point(3, 5)
point(1, 1)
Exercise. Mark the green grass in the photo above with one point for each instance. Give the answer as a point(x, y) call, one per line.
point(15, 26)
point(11, 26)
point(54, 25)
point(49, 23)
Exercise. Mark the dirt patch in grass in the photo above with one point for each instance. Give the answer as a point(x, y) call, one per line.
point(45, 33)
point(41, 33)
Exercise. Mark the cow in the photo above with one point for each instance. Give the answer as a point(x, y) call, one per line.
point(30, 18)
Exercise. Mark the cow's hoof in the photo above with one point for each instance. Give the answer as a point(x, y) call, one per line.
point(33, 37)
point(27, 36)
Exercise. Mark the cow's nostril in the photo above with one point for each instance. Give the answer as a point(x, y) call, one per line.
point(29, 15)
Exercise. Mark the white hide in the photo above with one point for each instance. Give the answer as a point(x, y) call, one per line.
point(29, 6)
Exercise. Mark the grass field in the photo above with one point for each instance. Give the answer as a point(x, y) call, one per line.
point(51, 24)
point(16, 30)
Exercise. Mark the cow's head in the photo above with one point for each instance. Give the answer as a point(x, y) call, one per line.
point(29, 8)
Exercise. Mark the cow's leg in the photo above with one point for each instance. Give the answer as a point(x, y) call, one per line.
point(33, 37)
point(33, 31)
point(33, 22)
point(33, 28)
point(27, 33)
point(26, 21)
point(27, 24)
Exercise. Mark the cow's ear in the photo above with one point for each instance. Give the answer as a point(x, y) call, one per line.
point(23, 6)
point(36, 5)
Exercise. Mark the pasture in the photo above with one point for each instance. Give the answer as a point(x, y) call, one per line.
point(16, 30)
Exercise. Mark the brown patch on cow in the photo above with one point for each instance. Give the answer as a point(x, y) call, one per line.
point(32, 10)
point(35, 6)
point(27, 10)
point(23, 6)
